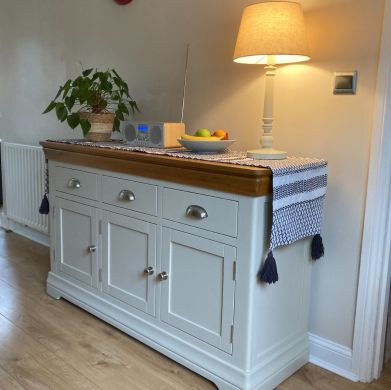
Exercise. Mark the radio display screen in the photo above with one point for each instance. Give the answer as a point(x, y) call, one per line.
point(142, 128)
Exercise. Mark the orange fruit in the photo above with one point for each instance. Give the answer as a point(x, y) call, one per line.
point(221, 133)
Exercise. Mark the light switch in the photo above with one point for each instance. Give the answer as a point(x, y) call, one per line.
point(345, 83)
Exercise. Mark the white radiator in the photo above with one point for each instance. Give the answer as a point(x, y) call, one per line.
point(23, 169)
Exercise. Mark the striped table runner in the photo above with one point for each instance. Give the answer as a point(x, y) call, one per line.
point(299, 190)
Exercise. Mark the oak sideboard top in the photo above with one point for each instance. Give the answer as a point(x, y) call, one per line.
point(232, 178)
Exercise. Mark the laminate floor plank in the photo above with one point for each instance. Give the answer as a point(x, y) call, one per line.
point(63, 328)
point(313, 377)
point(86, 348)
point(68, 322)
point(23, 359)
point(7, 382)
point(52, 344)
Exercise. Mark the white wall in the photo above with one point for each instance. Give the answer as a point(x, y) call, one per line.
point(42, 41)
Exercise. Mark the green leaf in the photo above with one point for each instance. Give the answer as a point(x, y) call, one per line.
point(117, 82)
point(87, 72)
point(115, 72)
point(77, 82)
point(87, 83)
point(119, 115)
point(103, 76)
point(116, 124)
point(122, 107)
point(73, 120)
point(66, 88)
point(107, 86)
point(75, 93)
point(125, 87)
point(61, 112)
point(95, 75)
point(50, 107)
point(70, 102)
point(59, 93)
point(85, 96)
point(134, 106)
point(85, 126)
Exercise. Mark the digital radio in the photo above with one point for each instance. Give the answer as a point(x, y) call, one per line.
point(152, 134)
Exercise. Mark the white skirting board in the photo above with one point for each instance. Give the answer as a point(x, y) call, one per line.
point(331, 356)
point(24, 231)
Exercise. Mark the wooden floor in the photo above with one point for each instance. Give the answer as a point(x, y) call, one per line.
point(49, 344)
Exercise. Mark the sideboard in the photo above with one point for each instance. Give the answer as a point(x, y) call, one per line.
point(168, 250)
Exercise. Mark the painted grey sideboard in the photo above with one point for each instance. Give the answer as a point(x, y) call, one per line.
point(167, 250)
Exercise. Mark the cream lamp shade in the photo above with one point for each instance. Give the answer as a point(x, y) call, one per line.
point(272, 29)
point(271, 33)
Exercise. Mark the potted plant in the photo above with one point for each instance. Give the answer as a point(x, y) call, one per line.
point(95, 100)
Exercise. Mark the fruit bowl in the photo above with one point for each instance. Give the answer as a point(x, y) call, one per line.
point(200, 146)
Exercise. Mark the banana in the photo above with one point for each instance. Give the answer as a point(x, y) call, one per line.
point(196, 138)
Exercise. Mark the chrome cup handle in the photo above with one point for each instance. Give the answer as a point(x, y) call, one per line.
point(126, 196)
point(198, 212)
point(74, 183)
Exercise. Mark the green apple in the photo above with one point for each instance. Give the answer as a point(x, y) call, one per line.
point(202, 133)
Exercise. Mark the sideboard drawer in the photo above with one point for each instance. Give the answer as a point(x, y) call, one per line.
point(202, 211)
point(130, 194)
point(75, 182)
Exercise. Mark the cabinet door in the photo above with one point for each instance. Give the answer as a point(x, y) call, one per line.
point(77, 241)
point(198, 294)
point(129, 248)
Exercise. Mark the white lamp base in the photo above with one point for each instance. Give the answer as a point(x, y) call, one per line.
point(266, 154)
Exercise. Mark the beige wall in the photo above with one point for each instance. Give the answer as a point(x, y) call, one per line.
point(42, 41)
point(344, 36)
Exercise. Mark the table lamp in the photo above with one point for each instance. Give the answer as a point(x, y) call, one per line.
point(271, 33)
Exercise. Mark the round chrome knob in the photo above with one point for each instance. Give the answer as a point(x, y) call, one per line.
point(74, 183)
point(91, 248)
point(126, 196)
point(149, 271)
point(163, 276)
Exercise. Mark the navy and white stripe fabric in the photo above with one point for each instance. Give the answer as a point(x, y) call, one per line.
point(299, 190)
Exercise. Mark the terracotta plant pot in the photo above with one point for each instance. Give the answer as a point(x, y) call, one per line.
point(101, 125)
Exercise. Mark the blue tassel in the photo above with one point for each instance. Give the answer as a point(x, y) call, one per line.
point(268, 273)
point(317, 249)
point(44, 208)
